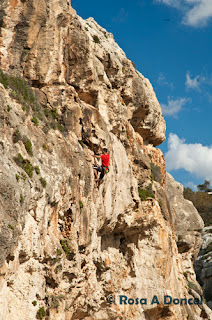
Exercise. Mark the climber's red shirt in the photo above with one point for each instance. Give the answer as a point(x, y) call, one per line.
point(105, 160)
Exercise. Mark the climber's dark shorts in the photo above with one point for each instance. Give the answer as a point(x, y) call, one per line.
point(100, 169)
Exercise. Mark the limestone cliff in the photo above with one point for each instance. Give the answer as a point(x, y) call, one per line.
point(65, 244)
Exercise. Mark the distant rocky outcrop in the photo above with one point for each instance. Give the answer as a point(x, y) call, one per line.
point(65, 244)
point(202, 199)
point(203, 265)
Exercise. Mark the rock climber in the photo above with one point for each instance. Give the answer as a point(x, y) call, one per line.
point(104, 167)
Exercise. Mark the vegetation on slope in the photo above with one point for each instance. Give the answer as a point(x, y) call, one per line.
point(21, 91)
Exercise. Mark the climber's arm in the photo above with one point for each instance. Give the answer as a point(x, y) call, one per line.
point(96, 156)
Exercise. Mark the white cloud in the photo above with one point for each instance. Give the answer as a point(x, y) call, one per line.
point(163, 82)
point(196, 13)
point(201, 83)
point(172, 3)
point(194, 158)
point(192, 83)
point(199, 14)
point(174, 106)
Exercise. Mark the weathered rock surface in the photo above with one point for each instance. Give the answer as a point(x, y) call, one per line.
point(188, 221)
point(203, 265)
point(66, 245)
point(47, 44)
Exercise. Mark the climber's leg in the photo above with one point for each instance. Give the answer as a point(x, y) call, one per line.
point(96, 170)
point(102, 173)
point(96, 174)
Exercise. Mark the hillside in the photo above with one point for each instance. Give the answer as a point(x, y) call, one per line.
point(203, 202)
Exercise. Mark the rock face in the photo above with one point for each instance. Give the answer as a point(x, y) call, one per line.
point(49, 46)
point(65, 244)
point(203, 265)
point(188, 221)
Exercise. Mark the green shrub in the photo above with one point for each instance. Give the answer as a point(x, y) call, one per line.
point(19, 160)
point(59, 252)
point(10, 226)
point(16, 136)
point(41, 313)
point(86, 29)
point(96, 39)
point(40, 115)
point(9, 108)
point(146, 193)
point(54, 114)
point(34, 303)
point(4, 79)
point(44, 146)
point(35, 121)
point(53, 124)
point(13, 94)
point(21, 91)
point(23, 176)
point(43, 182)
point(28, 145)
point(25, 164)
point(37, 169)
point(21, 199)
point(80, 204)
point(66, 248)
point(46, 112)
point(55, 260)
point(17, 177)
point(28, 167)
point(61, 127)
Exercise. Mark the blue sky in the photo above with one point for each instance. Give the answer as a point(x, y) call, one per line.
point(170, 42)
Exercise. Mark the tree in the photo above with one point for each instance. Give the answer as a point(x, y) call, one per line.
point(205, 187)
